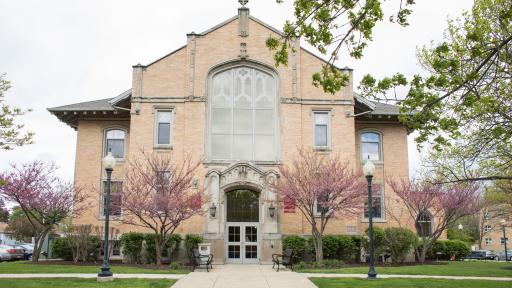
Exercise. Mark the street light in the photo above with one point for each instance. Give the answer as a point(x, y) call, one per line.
point(108, 163)
point(503, 224)
point(460, 227)
point(368, 170)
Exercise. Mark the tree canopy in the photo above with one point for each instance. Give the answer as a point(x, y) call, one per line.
point(11, 133)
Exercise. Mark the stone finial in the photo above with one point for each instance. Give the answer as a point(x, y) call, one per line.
point(243, 19)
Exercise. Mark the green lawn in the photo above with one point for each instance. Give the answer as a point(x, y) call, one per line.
point(463, 268)
point(27, 267)
point(85, 283)
point(405, 283)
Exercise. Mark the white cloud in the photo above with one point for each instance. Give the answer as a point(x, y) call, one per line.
point(61, 52)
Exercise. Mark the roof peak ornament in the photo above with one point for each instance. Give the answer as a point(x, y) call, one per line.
point(243, 2)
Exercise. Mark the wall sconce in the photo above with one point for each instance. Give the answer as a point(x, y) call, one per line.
point(272, 210)
point(213, 209)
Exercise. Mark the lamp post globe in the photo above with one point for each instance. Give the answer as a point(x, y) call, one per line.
point(368, 171)
point(460, 227)
point(108, 163)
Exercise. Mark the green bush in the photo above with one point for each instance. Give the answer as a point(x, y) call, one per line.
point(61, 248)
point(131, 244)
point(438, 251)
point(378, 241)
point(457, 249)
point(339, 247)
point(175, 266)
point(298, 244)
point(94, 248)
point(398, 242)
point(192, 241)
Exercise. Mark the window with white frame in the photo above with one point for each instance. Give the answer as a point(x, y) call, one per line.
point(503, 240)
point(243, 115)
point(114, 142)
point(488, 241)
point(321, 205)
point(116, 188)
point(377, 202)
point(371, 146)
point(321, 129)
point(162, 181)
point(487, 228)
point(163, 127)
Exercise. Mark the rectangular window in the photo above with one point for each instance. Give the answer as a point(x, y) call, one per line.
point(162, 182)
point(502, 240)
point(377, 202)
point(488, 241)
point(351, 229)
point(116, 188)
point(322, 129)
point(163, 127)
point(319, 207)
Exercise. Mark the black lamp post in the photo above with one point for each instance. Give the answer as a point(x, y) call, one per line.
point(503, 224)
point(108, 163)
point(368, 170)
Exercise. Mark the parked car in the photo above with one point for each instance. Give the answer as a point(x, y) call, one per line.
point(10, 252)
point(481, 255)
point(501, 255)
point(27, 250)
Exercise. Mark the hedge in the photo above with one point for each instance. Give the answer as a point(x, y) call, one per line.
point(131, 243)
point(446, 249)
point(335, 247)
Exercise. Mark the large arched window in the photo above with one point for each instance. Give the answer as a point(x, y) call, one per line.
point(371, 146)
point(114, 142)
point(242, 206)
point(424, 224)
point(243, 115)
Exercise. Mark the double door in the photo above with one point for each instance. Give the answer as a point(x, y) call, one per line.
point(242, 243)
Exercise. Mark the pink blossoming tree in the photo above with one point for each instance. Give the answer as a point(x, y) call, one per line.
point(45, 199)
point(321, 187)
point(434, 207)
point(159, 194)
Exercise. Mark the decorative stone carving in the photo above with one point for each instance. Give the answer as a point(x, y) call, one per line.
point(243, 51)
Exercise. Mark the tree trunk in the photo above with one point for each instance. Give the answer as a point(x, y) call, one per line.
point(158, 246)
point(423, 254)
point(38, 244)
point(318, 247)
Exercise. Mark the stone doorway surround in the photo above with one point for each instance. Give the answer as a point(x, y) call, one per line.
point(241, 175)
point(243, 276)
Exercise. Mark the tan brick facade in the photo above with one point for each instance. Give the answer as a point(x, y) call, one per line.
point(179, 81)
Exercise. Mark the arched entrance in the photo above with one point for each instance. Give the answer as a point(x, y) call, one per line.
point(242, 226)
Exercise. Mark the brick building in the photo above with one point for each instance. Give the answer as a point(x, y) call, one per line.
point(221, 97)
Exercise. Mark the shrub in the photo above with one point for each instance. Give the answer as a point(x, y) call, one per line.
point(378, 241)
point(457, 249)
point(399, 242)
point(192, 241)
point(94, 246)
point(61, 248)
point(438, 251)
point(132, 246)
point(298, 244)
point(151, 246)
point(340, 247)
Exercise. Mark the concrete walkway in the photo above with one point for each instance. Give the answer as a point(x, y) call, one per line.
point(243, 276)
point(330, 275)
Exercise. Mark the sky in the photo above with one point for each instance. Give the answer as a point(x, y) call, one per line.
point(58, 52)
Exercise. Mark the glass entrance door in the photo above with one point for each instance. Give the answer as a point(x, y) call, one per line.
point(242, 243)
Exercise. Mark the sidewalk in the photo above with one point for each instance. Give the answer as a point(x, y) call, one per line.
point(329, 275)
